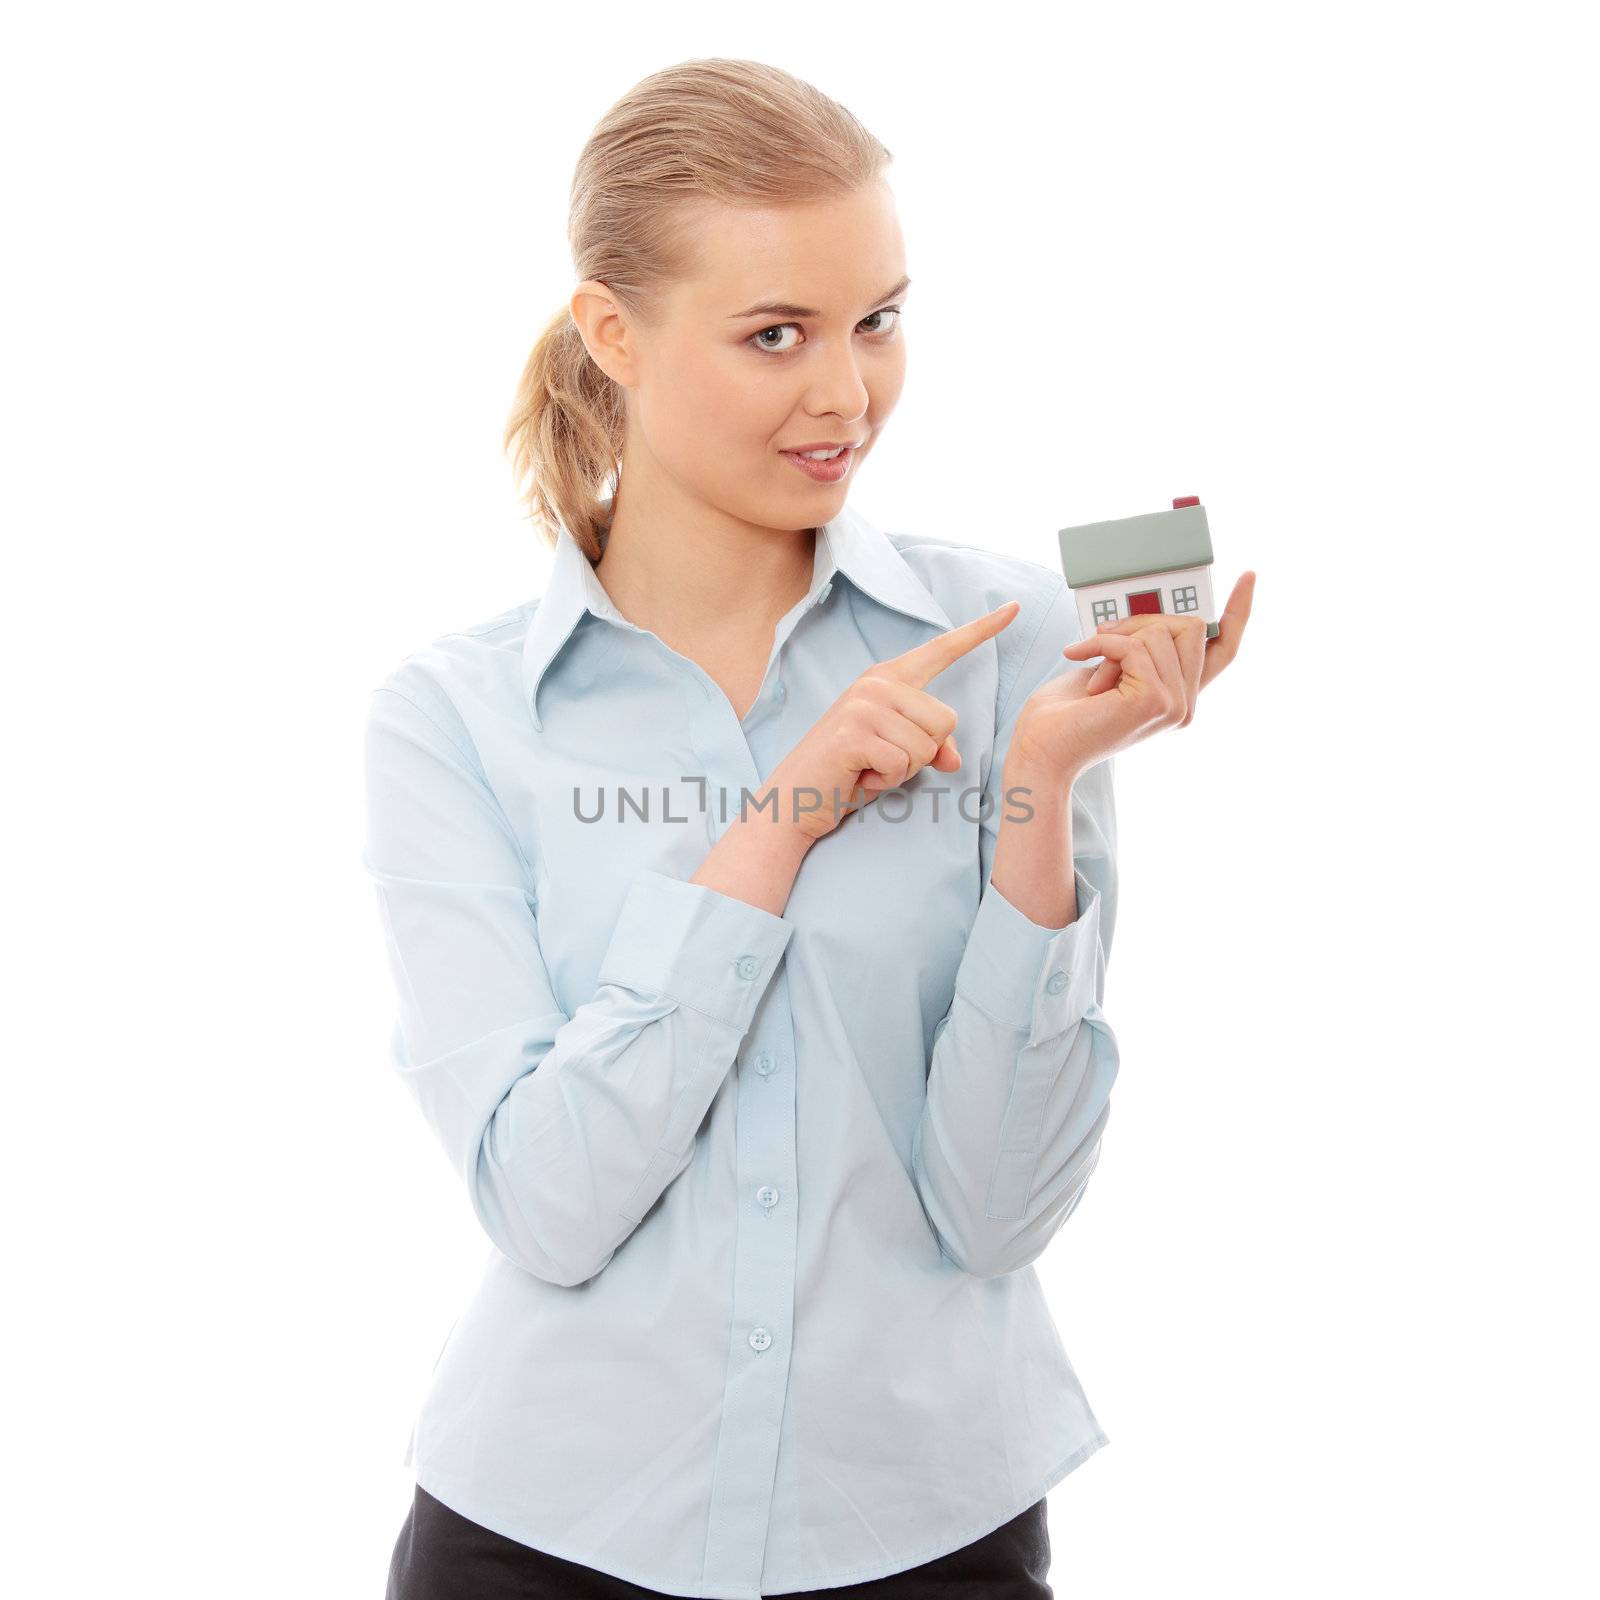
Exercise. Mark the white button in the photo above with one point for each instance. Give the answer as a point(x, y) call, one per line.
point(764, 1062)
point(760, 1339)
point(1058, 982)
point(767, 1195)
point(781, 690)
point(747, 966)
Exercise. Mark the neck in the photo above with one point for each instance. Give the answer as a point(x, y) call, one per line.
point(695, 575)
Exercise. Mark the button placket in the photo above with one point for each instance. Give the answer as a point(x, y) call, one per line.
point(764, 1252)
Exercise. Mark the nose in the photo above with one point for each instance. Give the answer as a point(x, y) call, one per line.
point(837, 388)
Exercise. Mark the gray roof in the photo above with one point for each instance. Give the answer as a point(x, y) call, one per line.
point(1132, 547)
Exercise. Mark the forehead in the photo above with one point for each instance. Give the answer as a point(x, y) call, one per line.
point(816, 251)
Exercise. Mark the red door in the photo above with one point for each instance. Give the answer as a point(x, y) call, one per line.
point(1147, 601)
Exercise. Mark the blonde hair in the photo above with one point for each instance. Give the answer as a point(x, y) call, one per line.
point(712, 130)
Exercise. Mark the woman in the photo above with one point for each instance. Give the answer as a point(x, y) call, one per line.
point(748, 898)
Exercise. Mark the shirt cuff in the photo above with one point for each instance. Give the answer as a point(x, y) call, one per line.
point(696, 945)
point(1028, 976)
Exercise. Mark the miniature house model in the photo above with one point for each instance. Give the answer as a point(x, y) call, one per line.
point(1158, 562)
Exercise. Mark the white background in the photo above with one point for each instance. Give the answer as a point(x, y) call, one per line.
point(273, 271)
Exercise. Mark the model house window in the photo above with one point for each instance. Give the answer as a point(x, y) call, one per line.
point(1186, 599)
point(1105, 611)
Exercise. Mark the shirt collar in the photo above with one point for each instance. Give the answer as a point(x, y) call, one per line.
point(849, 544)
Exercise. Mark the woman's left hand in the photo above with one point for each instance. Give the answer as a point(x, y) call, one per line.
point(1154, 669)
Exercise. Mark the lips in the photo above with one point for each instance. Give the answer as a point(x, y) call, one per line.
point(823, 471)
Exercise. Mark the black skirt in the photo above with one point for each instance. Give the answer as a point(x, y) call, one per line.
point(440, 1555)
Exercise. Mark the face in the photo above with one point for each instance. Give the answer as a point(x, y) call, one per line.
point(717, 392)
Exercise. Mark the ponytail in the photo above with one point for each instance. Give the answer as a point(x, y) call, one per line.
point(564, 436)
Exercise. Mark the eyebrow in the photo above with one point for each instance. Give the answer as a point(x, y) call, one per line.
point(780, 308)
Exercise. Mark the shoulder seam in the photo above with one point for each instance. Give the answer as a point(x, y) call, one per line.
point(505, 619)
point(470, 756)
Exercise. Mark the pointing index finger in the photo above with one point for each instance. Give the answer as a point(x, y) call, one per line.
point(926, 661)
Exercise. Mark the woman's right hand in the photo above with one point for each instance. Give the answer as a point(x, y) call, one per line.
point(882, 731)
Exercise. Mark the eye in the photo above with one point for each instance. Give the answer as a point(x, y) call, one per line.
point(883, 335)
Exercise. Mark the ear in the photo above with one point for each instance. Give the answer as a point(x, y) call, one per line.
point(603, 326)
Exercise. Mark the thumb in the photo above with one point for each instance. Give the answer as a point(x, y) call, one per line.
point(1106, 671)
point(1103, 677)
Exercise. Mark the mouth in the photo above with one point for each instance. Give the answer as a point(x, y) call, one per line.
point(826, 468)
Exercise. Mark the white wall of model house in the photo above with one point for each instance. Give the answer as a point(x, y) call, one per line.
point(1182, 590)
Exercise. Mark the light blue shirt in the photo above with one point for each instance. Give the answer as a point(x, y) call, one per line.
point(764, 1192)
